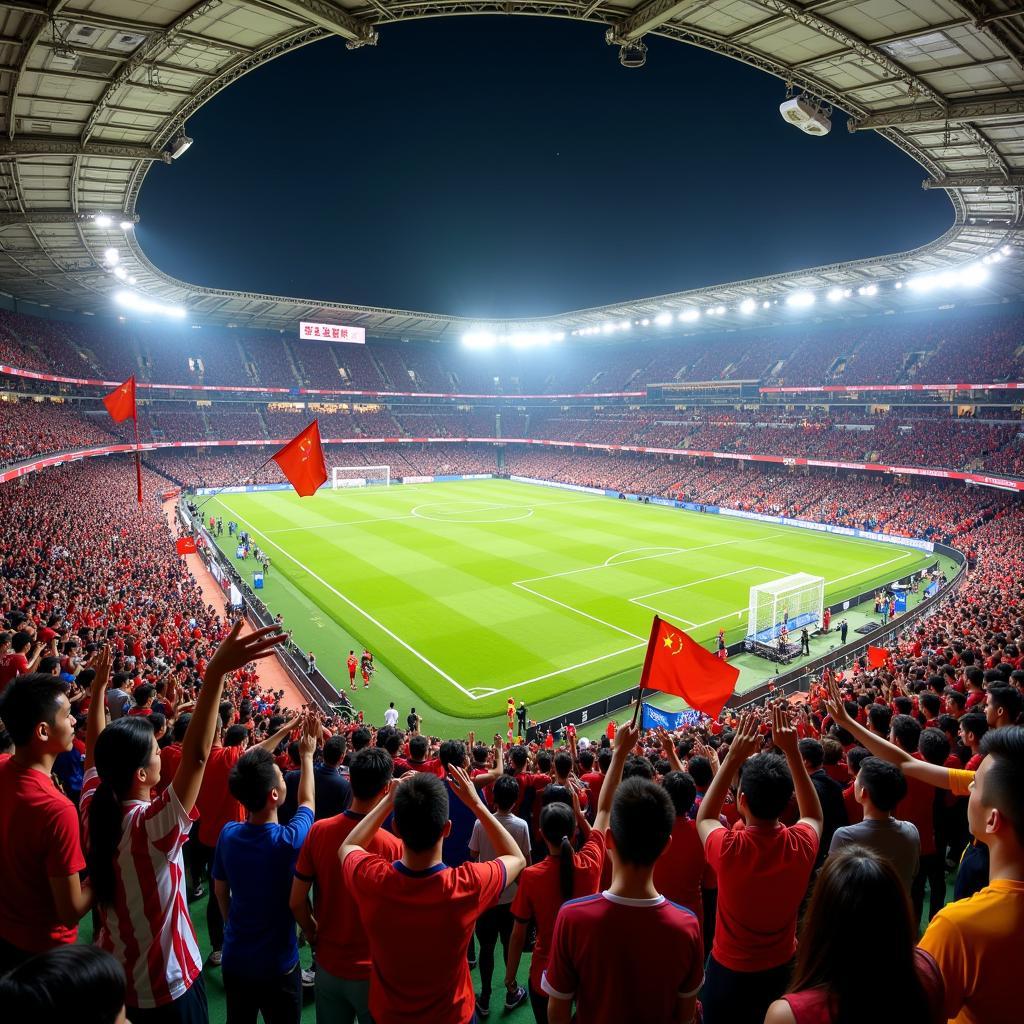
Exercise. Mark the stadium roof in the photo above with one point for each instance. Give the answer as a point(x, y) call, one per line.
point(95, 91)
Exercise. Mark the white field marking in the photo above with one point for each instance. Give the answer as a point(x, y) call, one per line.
point(707, 579)
point(569, 668)
point(479, 508)
point(577, 611)
point(665, 549)
point(366, 615)
point(482, 691)
point(859, 572)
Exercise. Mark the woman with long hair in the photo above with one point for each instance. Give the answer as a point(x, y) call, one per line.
point(135, 842)
point(859, 909)
point(562, 875)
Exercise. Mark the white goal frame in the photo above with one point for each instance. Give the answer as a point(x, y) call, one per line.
point(360, 476)
point(797, 601)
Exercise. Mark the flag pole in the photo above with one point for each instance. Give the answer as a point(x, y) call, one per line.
point(655, 622)
point(138, 455)
point(251, 476)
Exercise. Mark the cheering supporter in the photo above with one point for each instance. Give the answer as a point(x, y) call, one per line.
point(763, 871)
point(252, 873)
point(80, 983)
point(878, 788)
point(859, 904)
point(342, 949)
point(410, 981)
point(134, 842)
point(40, 849)
point(602, 977)
point(561, 876)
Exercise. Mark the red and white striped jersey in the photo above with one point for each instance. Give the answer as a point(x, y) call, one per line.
point(148, 928)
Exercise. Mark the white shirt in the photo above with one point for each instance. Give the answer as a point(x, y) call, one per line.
point(390, 717)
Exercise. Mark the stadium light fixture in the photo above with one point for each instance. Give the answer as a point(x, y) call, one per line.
point(645, 322)
point(1006, 250)
point(720, 310)
point(110, 256)
point(800, 300)
point(974, 275)
point(625, 325)
point(121, 273)
point(663, 319)
point(868, 289)
point(101, 220)
point(766, 304)
point(835, 295)
point(689, 315)
point(126, 225)
point(140, 304)
point(748, 306)
point(179, 146)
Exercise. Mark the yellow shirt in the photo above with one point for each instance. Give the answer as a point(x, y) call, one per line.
point(976, 942)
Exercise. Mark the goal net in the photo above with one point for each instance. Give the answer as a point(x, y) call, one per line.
point(796, 601)
point(360, 476)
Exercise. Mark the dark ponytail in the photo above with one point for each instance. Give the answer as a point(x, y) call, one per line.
point(558, 825)
point(122, 749)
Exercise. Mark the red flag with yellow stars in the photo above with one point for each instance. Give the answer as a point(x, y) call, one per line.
point(120, 402)
point(677, 664)
point(186, 546)
point(877, 656)
point(302, 461)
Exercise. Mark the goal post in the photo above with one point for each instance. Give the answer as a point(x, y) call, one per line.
point(796, 601)
point(360, 476)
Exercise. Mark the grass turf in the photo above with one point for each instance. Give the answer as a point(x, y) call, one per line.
point(471, 592)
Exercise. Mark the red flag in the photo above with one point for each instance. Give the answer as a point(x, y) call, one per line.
point(302, 461)
point(120, 402)
point(877, 656)
point(186, 546)
point(676, 664)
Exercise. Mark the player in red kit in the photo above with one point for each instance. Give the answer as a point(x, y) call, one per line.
point(353, 664)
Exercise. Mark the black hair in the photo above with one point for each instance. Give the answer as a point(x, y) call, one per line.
point(934, 746)
point(252, 778)
point(641, 821)
point(700, 771)
point(976, 723)
point(71, 982)
point(855, 758)
point(421, 811)
point(930, 703)
point(235, 736)
point(369, 772)
point(883, 782)
point(1008, 698)
point(506, 792)
point(122, 749)
point(812, 752)
point(334, 750)
point(142, 693)
point(48, 664)
point(1003, 783)
point(418, 747)
point(29, 700)
point(452, 752)
point(586, 760)
point(766, 782)
point(604, 758)
point(361, 738)
point(20, 641)
point(906, 731)
point(682, 791)
point(558, 826)
point(157, 721)
point(637, 767)
point(518, 756)
point(563, 764)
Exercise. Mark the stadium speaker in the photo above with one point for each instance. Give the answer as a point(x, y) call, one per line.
point(633, 54)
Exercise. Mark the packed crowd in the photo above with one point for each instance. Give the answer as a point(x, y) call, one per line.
point(730, 871)
point(946, 348)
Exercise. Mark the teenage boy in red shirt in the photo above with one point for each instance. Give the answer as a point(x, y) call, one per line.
point(763, 871)
point(594, 959)
point(331, 925)
point(420, 972)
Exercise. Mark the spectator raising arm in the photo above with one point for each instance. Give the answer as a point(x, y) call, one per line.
point(506, 848)
point(97, 718)
point(785, 738)
point(235, 652)
point(624, 742)
point(934, 774)
point(744, 743)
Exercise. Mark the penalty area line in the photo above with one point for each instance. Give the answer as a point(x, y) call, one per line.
point(366, 615)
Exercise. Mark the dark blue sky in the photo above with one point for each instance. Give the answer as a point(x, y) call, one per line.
point(492, 166)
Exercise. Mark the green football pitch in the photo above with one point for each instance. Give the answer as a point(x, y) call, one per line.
point(474, 591)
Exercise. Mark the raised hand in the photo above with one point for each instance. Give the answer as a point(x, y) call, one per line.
point(236, 651)
point(102, 665)
point(310, 735)
point(626, 737)
point(462, 786)
point(747, 739)
point(784, 734)
point(835, 706)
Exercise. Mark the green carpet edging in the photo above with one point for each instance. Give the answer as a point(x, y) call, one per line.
point(496, 583)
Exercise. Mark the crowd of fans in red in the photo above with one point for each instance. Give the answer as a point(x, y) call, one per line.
point(947, 348)
point(731, 871)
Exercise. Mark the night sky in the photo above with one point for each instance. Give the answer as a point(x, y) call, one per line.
point(489, 166)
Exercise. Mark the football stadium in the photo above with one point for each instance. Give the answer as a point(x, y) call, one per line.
point(511, 516)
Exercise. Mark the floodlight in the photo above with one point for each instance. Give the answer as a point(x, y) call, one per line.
point(479, 339)
point(1006, 250)
point(607, 328)
point(868, 289)
point(101, 220)
point(110, 256)
point(662, 319)
point(121, 273)
point(800, 300)
point(748, 306)
point(126, 225)
point(179, 146)
point(645, 322)
point(835, 295)
point(689, 315)
point(720, 310)
point(139, 303)
point(973, 275)
point(899, 284)
point(766, 304)
point(625, 325)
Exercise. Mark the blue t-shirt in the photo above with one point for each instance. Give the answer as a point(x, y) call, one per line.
point(257, 862)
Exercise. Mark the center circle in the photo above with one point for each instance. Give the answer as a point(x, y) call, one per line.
point(471, 512)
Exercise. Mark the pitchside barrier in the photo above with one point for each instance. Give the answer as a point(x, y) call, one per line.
point(797, 679)
point(314, 686)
